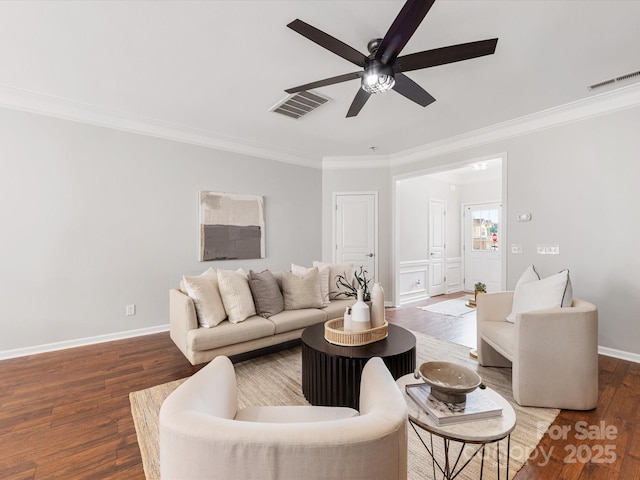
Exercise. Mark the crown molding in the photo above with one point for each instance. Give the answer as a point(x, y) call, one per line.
point(346, 162)
point(601, 104)
point(24, 100)
point(596, 105)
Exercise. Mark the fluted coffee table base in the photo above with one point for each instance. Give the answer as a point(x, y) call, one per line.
point(331, 373)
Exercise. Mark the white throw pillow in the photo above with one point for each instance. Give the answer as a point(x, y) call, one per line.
point(529, 275)
point(542, 294)
point(335, 269)
point(323, 272)
point(203, 290)
point(301, 291)
point(236, 294)
point(567, 300)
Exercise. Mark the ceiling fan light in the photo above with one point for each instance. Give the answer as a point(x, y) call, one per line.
point(377, 83)
point(371, 79)
point(377, 78)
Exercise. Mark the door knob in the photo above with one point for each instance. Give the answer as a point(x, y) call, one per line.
point(370, 255)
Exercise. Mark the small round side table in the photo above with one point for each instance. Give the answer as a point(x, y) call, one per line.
point(475, 434)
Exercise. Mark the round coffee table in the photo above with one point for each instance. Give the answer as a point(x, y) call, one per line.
point(331, 373)
point(477, 432)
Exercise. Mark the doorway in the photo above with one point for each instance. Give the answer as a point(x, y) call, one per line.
point(355, 223)
point(420, 272)
point(483, 245)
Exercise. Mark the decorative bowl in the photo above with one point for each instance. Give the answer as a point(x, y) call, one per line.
point(449, 382)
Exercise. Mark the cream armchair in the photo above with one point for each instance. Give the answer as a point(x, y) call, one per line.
point(203, 434)
point(554, 352)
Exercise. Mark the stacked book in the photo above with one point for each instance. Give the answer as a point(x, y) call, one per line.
point(477, 406)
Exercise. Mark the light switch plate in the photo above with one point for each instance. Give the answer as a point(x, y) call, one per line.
point(548, 249)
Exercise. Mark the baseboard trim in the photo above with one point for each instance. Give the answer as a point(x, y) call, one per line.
point(81, 342)
point(411, 301)
point(621, 354)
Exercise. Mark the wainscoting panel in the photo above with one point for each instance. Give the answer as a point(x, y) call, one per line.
point(414, 276)
point(454, 275)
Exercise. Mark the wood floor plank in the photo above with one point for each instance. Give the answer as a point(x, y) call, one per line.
point(67, 415)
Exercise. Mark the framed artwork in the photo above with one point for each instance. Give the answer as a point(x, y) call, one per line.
point(231, 226)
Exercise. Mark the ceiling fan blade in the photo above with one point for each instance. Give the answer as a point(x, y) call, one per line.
point(327, 41)
point(402, 29)
point(358, 102)
point(323, 83)
point(411, 90)
point(444, 55)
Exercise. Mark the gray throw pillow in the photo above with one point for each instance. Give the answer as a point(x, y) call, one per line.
point(266, 293)
point(301, 291)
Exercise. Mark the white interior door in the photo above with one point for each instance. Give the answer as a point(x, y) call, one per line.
point(483, 246)
point(437, 255)
point(356, 230)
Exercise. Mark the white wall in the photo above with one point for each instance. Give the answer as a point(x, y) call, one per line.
point(94, 219)
point(480, 192)
point(412, 236)
point(412, 207)
point(580, 183)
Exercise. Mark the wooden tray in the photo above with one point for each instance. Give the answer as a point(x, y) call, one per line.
point(333, 333)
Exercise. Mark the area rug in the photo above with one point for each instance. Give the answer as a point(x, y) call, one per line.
point(275, 380)
point(456, 307)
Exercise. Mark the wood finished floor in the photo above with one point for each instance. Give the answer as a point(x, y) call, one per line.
point(66, 414)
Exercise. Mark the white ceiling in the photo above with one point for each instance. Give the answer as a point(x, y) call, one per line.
point(215, 68)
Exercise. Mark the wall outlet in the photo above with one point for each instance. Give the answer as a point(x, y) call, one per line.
point(131, 310)
point(548, 249)
point(524, 217)
point(516, 248)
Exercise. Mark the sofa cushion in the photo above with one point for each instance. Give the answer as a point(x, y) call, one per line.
point(266, 293)
point(335, 269)
point(337, 307)
point(226, 333)
point(549, 292)
point(301, 291)
point(323, 272)
point(500, 335)
point(203, 290)
point(289, 320)
point(236, 294)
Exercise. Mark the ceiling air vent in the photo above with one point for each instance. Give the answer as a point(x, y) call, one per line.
point(299, 104)
point(614, 80)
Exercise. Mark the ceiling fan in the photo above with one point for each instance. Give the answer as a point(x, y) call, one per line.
point(383, 69)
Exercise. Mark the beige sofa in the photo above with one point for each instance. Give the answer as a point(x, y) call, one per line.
point(204, 435)
point(201, 345)
point(553, 352)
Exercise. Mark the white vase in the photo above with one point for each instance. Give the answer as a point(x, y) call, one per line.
point(346, 323)
point(377, 306)
point(360, 319)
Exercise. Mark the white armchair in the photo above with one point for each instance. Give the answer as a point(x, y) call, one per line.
point(203, 434)
point(553, 352)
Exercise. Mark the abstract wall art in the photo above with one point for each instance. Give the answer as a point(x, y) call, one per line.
point(231, 226)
